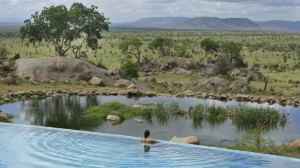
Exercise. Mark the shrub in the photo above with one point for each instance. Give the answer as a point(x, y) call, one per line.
point(130, 69)
point(9, 81)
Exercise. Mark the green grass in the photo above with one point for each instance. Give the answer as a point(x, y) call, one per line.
point(9, 116)
point(112, 108)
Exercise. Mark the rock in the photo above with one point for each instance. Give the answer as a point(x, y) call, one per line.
point(214, 81)
point(165, 63)
point(3, 116)
point(235, 73)
point(118, 74)
point(83, 93)
point(144, 105)
point(133, 92)
point(138, 120)
point(120, 85)
point(113, 118)
point(190, 84)
point(296, 93)
point(176, 70)
point(97, 81)
point(125, 82)
point(221, 90)
point(17, 56)
point(45, 69)
point(295, 143)
point(188, 140)
point(236, 85)
point(223, 96)
point(144, 86)
point(188, 72)
point(293, 82)
point(289, 103)
point(242, 79)
point(132, 86)
point(9, 81)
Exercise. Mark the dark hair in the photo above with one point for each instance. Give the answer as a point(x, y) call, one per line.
point(146, 133)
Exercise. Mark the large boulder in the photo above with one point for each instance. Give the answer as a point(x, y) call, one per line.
point(45, 69)
point(96, 81)
point(242, 79)
point(176, 70)
point(295, 143)
point(118, 74)
point(3, 116)
point(125, 82)
point(189, 140)
point(113, 118)
point(190, 84)
point(167, 62)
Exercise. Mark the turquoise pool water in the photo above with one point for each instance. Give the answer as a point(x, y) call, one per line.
point(34, 146)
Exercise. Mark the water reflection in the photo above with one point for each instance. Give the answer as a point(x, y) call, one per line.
point(66, 112)
point(61, 112)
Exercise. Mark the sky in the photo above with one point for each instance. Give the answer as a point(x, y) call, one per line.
point(132, 10)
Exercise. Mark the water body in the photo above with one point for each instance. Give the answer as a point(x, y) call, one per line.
point(66, 112)
point(32, 146)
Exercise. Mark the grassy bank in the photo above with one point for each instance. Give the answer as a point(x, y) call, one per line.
point(112, 108)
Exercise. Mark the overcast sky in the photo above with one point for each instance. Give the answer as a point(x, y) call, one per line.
point(132, 10)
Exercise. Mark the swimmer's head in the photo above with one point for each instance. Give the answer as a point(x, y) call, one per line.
point(146, 133)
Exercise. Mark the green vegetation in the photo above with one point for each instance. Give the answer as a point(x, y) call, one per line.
point(131, 69)
point(112, 108)
point(253, 141)
point(9, 117)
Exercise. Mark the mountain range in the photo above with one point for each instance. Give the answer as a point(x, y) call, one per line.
point(197, 23)
point(209, 23)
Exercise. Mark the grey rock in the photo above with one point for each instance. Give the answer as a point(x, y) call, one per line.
point(188, 140)
point(125, 82)
point(176, 70)
point(144, 105)
point(113, 118)
point(242, 79)
point(45, 69)
point(96, 81)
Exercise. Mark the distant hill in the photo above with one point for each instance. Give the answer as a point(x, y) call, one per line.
point(12, 20)
point(152, 22)
point(213, 23)
point(286, 24)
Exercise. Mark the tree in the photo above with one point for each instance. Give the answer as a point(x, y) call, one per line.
point(131, 46)
point(209, 46)
point(3, 52)
point(233, 49)
point(60, 26)
point(131, 69)
point(162, 45)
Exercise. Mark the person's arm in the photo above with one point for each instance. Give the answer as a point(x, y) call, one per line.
point(153, 141)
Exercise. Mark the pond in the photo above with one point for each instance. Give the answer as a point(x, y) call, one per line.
point(66, 112)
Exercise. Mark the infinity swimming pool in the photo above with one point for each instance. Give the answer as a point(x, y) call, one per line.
point(35, 146)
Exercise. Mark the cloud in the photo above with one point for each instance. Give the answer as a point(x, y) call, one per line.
point(262, 2)
point(132, 10)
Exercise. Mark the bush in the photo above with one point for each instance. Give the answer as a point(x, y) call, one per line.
point(222, 66)
point(130, 69)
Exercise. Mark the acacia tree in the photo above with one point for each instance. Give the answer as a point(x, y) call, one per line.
point(209, 46)
point(131, 46)
point(233, 49)
point(162, 45)
point(60, 26)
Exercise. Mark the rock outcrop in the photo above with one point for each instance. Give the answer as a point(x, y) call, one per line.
point(113, 118)
point(144, 105)
point(3, 116)
point(58, 69)
point(295, 143)
point(189, 140)
point(168, 62)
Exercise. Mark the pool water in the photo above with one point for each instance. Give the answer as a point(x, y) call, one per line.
point(35, 146)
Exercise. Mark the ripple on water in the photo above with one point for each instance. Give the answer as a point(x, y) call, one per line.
point(31, 146)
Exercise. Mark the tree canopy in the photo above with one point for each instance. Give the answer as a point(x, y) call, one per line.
point(209, 46)
point(233, 49)
point(131, 46)
point(162, 45)
point(60, 26)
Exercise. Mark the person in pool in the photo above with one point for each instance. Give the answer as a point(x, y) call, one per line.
point(146, 139)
